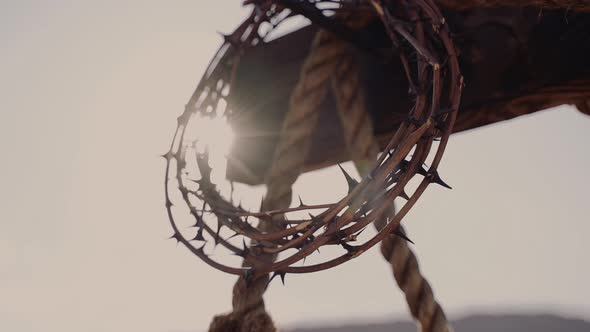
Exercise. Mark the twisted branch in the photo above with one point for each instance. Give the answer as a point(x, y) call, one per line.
point(435, 86)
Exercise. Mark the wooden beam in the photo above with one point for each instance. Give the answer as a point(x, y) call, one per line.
point(515, 61)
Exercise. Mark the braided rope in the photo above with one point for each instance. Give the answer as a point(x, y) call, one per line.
point(363, 148)
point(248, 305)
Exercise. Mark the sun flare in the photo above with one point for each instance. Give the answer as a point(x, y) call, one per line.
point(215, 135)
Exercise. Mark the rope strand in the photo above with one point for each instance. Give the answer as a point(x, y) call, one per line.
point(363, 148)
point(290, 155)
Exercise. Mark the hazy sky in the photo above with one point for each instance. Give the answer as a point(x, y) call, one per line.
point(89, 94)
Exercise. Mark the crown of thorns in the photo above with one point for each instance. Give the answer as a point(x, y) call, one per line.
point(419, 34)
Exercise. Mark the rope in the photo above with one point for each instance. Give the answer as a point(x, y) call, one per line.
point(330, 63)
point(248, 305)
point(363, 148)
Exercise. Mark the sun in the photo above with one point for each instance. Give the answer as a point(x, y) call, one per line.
point(213, 132)
point(215, 135)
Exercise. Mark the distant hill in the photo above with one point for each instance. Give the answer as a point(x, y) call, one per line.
point(479, 323)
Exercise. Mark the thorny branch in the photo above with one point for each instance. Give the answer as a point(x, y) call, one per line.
point(437, 91)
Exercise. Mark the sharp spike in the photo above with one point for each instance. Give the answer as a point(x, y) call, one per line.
point(301, 202)
point(399, 232)
point(351, 182)
point(348, 247)
point(244, 252)
point(404, 195)
point(168, 155)
point(229, 39)
point(359, 232)
point(176, 236)
point(233, 235)
point(281, 274)
point(422, 171)
point(435, 178)
point(201, 250)
point(199, 236)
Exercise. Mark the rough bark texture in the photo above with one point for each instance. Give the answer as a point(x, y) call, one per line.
point(515, 61)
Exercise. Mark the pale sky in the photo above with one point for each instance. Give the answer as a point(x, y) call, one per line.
point(89, 94)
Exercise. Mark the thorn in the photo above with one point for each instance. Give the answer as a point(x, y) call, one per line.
point(168, 155)
point(176, 236)
point(280, 274)
point(422, 171)
point(435, 178)
point(404, 195)
point(314, 219)
point(231, 237)
point(201, 250)
point(300, 201)
point(228, 39)
point(359, 232)
point(403, 164)
point(245, 252)
point(168, 203)
point(351, 182)
point(348, 247)
point(399, 232)
point(199, 236)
